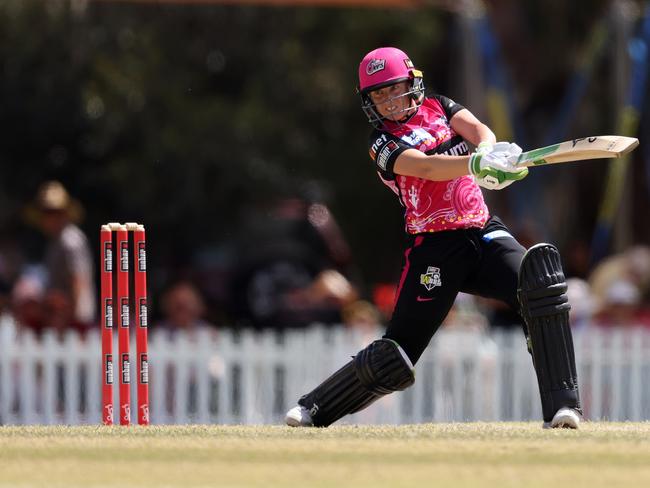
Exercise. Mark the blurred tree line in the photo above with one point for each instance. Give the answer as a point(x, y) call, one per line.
point(182, 117)
point(186, 117)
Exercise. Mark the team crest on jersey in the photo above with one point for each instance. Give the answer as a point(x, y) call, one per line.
point(431, 278)
point(375, 65)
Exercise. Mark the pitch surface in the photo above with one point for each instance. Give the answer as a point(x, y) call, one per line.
point(446, 455)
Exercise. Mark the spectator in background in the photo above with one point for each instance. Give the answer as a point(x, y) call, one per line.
point(328, 293)
point(383, 296)
point(582, 303)
point(363, 316)
point(363, 319)
point(183, 310)
point(59, 313)
point(621, 306)
point(631, 266)
point(68, 258)
point(294, 267)
point(37, 309)
point(27, 304)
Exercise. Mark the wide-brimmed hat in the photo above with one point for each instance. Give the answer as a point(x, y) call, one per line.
point(53, 197)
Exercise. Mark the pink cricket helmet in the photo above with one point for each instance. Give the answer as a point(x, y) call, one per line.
point(382, 67)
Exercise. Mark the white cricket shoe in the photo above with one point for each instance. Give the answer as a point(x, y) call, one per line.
point(298, 416)
point(565, 418)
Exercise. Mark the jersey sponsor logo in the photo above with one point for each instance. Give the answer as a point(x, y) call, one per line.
point(424, 299)
point(375, 65)
point(417, 137)
point(377, 144)
point(431, 278)
point(459, 149)
point(384, 154)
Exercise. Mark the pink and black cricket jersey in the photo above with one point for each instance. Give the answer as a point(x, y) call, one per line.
point(430, 206)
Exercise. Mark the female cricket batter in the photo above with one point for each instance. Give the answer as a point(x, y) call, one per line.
point(419, 149)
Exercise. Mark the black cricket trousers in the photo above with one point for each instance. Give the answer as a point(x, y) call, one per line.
point(438, 265)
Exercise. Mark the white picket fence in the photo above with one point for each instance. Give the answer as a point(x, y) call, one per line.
point(253, 378)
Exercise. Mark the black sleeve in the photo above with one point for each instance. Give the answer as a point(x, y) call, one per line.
point(450, 107)
point(384, 149)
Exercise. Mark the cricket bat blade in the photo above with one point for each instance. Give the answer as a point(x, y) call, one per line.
point(595, 147)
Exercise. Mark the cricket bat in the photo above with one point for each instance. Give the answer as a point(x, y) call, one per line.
point(595, 147)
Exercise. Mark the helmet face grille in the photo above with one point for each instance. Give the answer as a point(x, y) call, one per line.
point(416, 93)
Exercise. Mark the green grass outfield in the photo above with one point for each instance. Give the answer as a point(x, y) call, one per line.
point(428, 455)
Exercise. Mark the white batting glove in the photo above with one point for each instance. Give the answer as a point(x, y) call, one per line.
point(484, 147)
point(508, 149)
point(497, 168)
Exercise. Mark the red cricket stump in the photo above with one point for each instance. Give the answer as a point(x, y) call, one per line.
point(123, 330)
point(106, 260)
point(140, 295)
point(118, 263)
